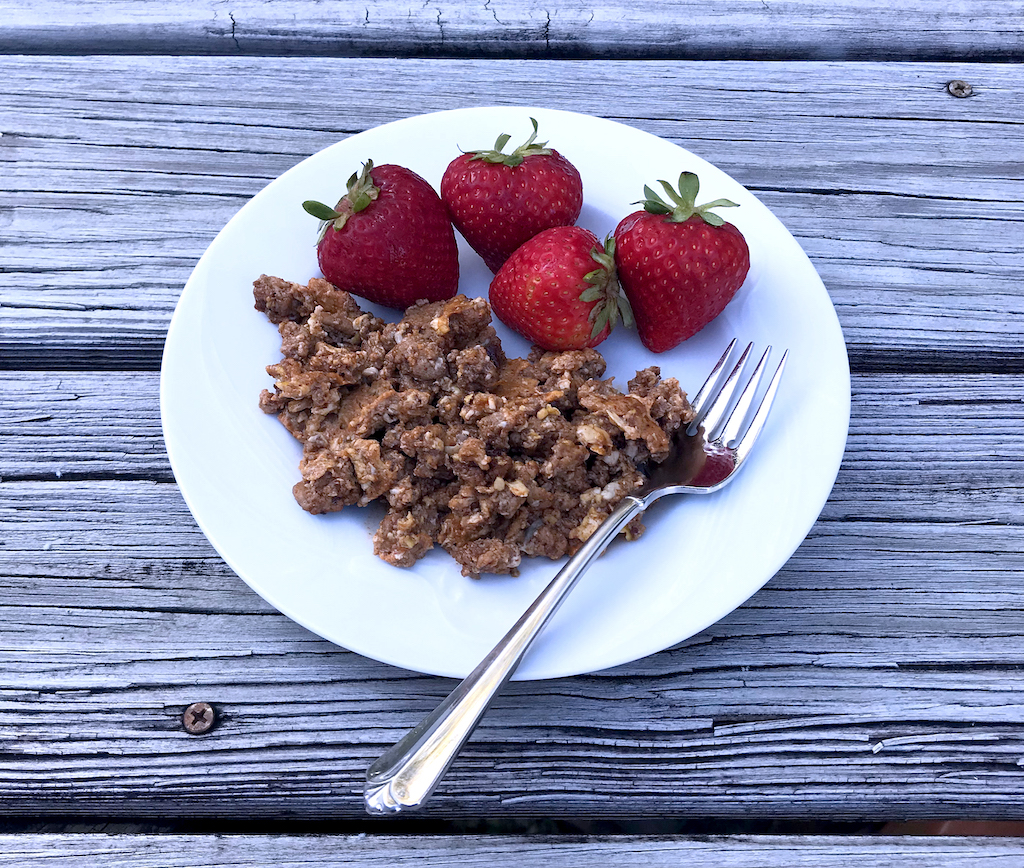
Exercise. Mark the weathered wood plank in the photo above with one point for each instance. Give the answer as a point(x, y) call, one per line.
point(908, 200)
point(683, 29)
point(75, 425)
point(328, 851)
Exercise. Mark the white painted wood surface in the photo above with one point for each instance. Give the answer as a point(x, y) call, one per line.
point(684, 29)
point(535, 851)
point(909, 201)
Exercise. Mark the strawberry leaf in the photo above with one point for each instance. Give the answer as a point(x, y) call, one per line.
point(689, 186)
point(360, 200)
point(529, 148)
point(720, 203)
point(601, 320)
point(604, 292)
point(653, 203)
point(320, 210)
point(683, 202)
point(674, 196)
point(625, 311)
point(361, 192)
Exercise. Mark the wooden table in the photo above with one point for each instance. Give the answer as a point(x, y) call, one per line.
point(878, 677)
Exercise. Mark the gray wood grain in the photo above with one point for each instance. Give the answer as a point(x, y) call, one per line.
point(294, 851)
point(680, 29)
point(877, 675)
point(119, 171)
point(684, 29)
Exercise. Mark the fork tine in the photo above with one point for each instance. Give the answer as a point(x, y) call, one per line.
point(720, 402)
point(746, 443)
point(710, 387)
point(734, 424)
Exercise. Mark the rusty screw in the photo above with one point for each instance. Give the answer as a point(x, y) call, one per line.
point(959, 88)
point(198, 718)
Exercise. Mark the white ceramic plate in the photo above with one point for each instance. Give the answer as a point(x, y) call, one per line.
point(701, 556)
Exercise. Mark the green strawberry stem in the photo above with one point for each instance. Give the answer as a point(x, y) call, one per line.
point(360, 193)
point(529, 148)
point(682, 202)
point(604, 289)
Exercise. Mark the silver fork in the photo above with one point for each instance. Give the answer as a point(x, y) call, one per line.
point(704, 457)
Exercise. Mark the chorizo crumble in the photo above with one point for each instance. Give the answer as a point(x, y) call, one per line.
point(489, 457)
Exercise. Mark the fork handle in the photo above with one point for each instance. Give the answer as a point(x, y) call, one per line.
point(405, 776)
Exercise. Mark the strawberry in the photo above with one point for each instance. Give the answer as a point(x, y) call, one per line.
point(389, 239)
point(679, 263)
point(559, 289)
point(498, 201)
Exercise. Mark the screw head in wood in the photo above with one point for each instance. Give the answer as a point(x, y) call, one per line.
point(198, 718)
point(959, 88)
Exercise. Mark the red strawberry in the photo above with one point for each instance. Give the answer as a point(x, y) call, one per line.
point(679, 263)
point(559, 289)
point(389, 239)
point(498, 201)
